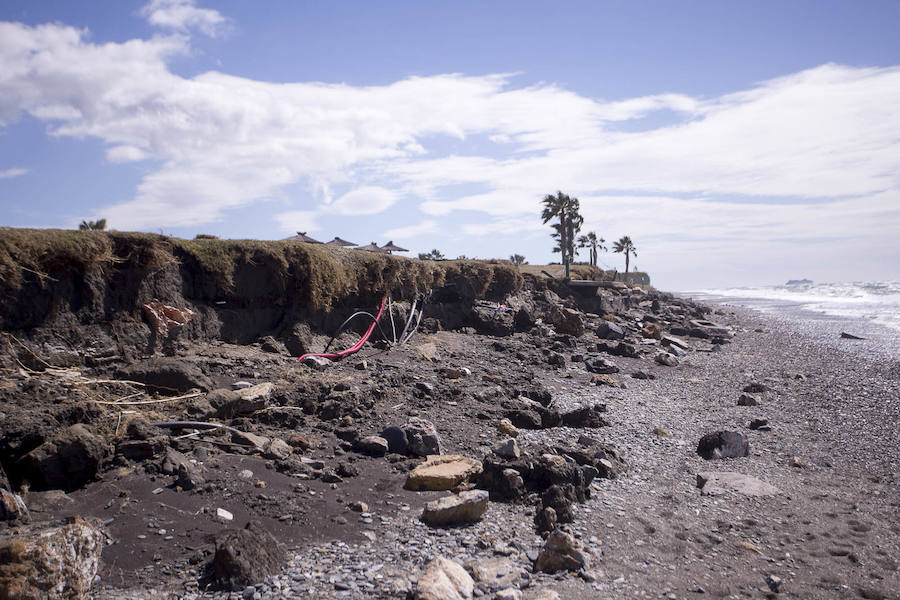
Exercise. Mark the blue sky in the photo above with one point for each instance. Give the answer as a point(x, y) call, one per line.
point(736, 143)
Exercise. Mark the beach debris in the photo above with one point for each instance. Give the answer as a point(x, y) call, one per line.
point(164, 318)
point(723, 444)
point(850, 336)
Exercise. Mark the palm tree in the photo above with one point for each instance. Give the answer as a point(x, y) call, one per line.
point(98, 225)
point(624, 244)
point(565, 209)
point(590, 240)
point(517, 260)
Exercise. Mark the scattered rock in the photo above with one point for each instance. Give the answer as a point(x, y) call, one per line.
point(609, 331)
point(562, 552)
point(560, 499)
point(317, 363)
point(661, 432)
point(850, 336)
point(277, 449)
point(713, 483)
point(372, 444)
point(748, 400)
point(542, 594)
point(756, 388)
point(774, 583)
point(12, 507)
point(605, 380)
point(508, 594)
point(187, 477)
point(396, 439)
point(507, 449)
point(545, 520)
point(566, 320)
point(422, 437)
point(506, 427)
point(600, 365)
point(643, 375)
point(798, 463)
point(245, 556)
point(273, 346)
point(586, 416)
point(442, 472)
point(167, 374)
point(760, 425)
point(444, 579)
point(358, 506)
point(465, 507)
point(652, 331)
point(59, 563)
point(666, 359)
point(723, 444)
point(67, 461)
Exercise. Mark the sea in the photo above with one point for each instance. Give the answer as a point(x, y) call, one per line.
point(869, 309)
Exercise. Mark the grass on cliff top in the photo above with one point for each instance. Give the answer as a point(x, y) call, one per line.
point(310, 274)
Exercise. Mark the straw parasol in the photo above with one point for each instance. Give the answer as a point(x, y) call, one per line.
point(391, 247)
point(302, 237)
point(371, 247)
point(340, 242)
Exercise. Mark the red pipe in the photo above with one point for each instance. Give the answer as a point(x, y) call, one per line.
point(355, 347)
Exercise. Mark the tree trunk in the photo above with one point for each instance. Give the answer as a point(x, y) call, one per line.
point(626, 262)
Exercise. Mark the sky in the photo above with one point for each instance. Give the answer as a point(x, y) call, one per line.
point(736, 143)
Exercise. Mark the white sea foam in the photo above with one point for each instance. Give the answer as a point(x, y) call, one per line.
point(878, 301)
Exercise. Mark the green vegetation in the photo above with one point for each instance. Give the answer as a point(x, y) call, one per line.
point(626, 246)
point(433, 255)
point(590, 240)
point(518, 260)
point(566, 209)
point(98, 225)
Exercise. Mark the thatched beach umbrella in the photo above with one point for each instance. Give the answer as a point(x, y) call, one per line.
point(340, 242)
point(302, 237)
point(391, 247)
point(372, 247)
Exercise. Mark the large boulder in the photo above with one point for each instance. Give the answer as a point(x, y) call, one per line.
point(444, 579)
point(245, 556)
point(723, 444)
point(566, 320)
point(609, 331)
point(493, 321)
point(600, 365)
point(67, 461)
point(465, 507)
point(167, 374)
point(59, 563)
point(442, 472)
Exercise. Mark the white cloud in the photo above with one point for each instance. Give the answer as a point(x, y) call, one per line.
point(426, 227)
point(369, 200)
point(125, 153)
point(182, 15)
point(13, 172)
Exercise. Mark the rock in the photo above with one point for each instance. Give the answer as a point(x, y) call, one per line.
point(442, 472)
point(245, 556)
point(666, 359)
point(444, 579)
point(452, 373)
point(566, 320)
point(67, 461)
point(643, 375)
point(660, 432)
point(586, 416)
point(604, 380)
point(545, 520)
point(253, 398)
point(560, 499)
point(493, 321)
point(524, 319)
point(671, 340)
point(561, 552)
point(710, 329)
point(713, 483)
point(619, 349)
point(12, 507)
point(600, 365)
point(506, 427)
point(425, 387)
point(723, 444)
point(316, 363)
point(850, 336)
point(396, 439)
point(555, 359)
point(277, 449)
point(542, 594)
point(51, 501)
point(172, 461)
point(273, 346)
point(508, 594)
point(609, 331)
point(59, 563)
point(507, 449)
point(358, 506)
point(188, 478)
point(760, 425)
point(774, 583)
point(798, 463)
point(172, 375)
point(422, 437)
point(465, 507)
point(372, 444)
point(652, 331)
point(299, 339)
point(748, 400)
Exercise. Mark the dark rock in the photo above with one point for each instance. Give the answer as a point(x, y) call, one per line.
point(67, 461)
point(566, 320)
point(748, 400)
point(723, 444)
point(372, 444)
point(347, 470)
point(600, 365)
point(760, 425)
point(299, 339)
point(666, 359)
point(545, 519)
point(555, 359)
point(586, 416)
point(560, 498)
point(524, 419)
point(245, 556)
point(396, 439)
point(537, 392)
point(187, 477)
point(850, 336)
point(643, 375)
point(167, 374)
point(348, 434)
point(609, 331)
point(493, 321)
point(524, 319)
point(422, 436)
point(12, 508)
point(619, 349)
point(756, 388)
point(270, 344)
